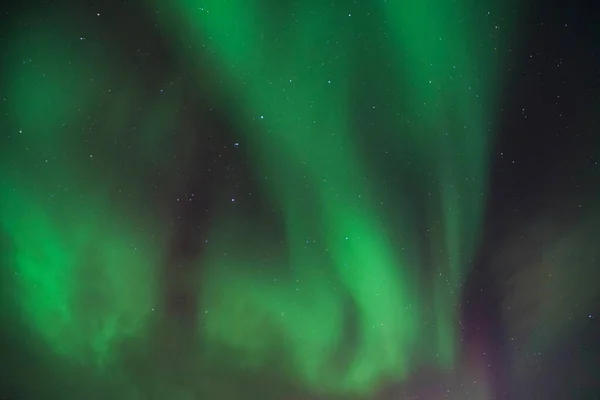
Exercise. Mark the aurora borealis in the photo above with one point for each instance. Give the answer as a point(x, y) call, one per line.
point(229, 199)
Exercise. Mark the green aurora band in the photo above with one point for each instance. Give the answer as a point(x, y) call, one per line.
point(299, 88)
point(293, 78)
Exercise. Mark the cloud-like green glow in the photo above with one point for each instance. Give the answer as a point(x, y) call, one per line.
point(84, 255)
point(85, 278)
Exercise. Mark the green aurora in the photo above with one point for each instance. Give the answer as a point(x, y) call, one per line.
point(293, 78)
point(86, 254)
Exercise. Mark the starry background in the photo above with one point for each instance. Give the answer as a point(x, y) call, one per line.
point(251, 200)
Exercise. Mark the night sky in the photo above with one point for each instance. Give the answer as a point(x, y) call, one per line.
point(300, 200)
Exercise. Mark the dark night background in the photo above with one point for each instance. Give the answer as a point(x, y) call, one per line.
point(545, 173)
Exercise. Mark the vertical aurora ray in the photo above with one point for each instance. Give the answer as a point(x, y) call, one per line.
point(453, 82)
point(292, 74)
